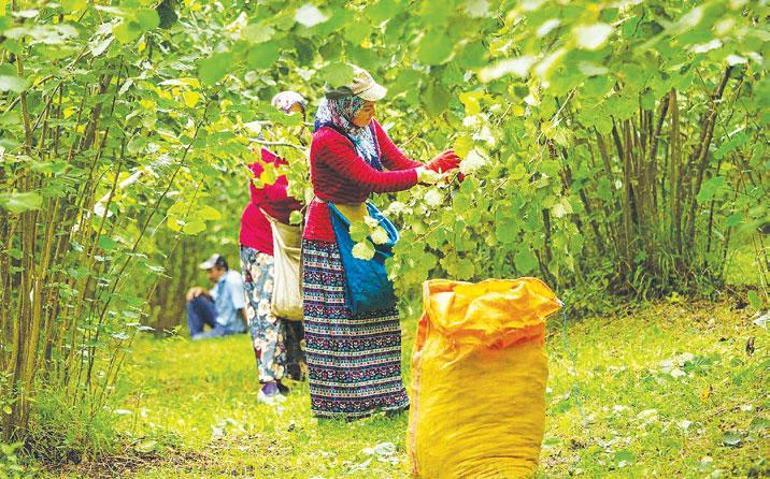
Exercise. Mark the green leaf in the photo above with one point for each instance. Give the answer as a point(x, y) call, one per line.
point(562, 208)
point(603, 124)
point(711, 188)
point(194, 227)
point(648, 100)
point(179, 208)
point(357, 31)
point(435, 48)
point(214, 68)
point(173, 223)
point(127, 31)
point(735, 142)
point(434, 14)
point(525, 260)
point(604, 189)
point(463, 145)
point(258, 33)
point(74, 5)
point(754, 300)
point(405, 81)
point(263, 56)
point(269, 175)
point(734, 219)
point(436, 99)
point(363, 250)
point(148, 19)
point(625, 457)
point(295, 217)
point(21, 202)
point(381, 11)
point(471, 101)
point(359, 231)
point(337, 74)
point(190, 98)
point(473, 55)
point(367, 58)
point(465, 269)
point(209, 214)
point(107, 243)
point(12, 83)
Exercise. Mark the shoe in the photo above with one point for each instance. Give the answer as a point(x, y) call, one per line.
point(270, 394)
point(297, 371)
point(282, 388)
point(294, 371)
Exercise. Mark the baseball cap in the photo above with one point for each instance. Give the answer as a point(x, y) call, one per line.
point(362, 86)
point(214, 260)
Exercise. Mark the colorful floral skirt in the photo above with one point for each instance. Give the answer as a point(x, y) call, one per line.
point(277, 342)
point(354, 361)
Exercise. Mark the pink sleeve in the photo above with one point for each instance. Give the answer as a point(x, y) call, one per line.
point(278, 190)
point(276, 195)
point(336, 151)
point(266, 193)
point(257, 194)
point(392, 157)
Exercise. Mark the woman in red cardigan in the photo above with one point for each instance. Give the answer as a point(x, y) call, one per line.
point(354, 361)
point(276, 341)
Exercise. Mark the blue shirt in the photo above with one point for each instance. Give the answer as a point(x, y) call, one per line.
point(229, 296)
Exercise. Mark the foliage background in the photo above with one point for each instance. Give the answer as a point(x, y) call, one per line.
point(617, 149)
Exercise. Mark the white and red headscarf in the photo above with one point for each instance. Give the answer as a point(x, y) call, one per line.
point(287, 99)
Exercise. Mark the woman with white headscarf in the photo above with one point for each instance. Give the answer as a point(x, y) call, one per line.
point(354, 356)
point(276, 341)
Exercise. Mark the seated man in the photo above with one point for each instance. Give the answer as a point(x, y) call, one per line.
point(223, 307)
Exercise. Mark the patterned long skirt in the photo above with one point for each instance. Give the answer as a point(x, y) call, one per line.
point(277, 342)
point(354, 361)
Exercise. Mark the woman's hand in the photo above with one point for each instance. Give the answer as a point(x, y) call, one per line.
point(446, 161)
point(427, 177)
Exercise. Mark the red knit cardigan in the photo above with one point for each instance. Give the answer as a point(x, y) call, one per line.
point(274, 199)
point(340, 175)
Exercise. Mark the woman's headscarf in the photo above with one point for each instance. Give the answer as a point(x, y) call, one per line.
point(338, 114)
point(287, 99)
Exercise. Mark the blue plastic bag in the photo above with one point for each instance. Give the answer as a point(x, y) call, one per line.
point(367, 287)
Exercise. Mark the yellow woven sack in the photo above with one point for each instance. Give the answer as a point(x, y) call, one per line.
point(479, 371)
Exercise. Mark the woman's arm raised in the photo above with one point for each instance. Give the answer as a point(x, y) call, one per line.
point(392, 157)
point(337, 152)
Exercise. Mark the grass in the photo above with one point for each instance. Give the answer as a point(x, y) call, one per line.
point(744, 266)
point(667, 391)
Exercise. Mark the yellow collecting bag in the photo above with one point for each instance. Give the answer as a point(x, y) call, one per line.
point(479, 371)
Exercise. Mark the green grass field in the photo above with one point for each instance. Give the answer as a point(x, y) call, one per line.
point(668, 391)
